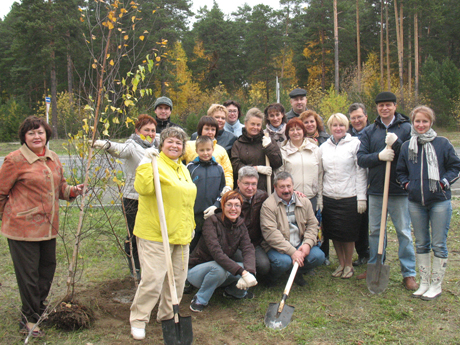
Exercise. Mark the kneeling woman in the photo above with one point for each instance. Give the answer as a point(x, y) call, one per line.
point(210, 264)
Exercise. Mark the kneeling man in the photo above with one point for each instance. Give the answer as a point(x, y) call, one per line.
point(290, 230)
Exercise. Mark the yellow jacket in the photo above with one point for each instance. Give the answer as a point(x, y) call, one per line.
point(219, 154)
point(179, 193)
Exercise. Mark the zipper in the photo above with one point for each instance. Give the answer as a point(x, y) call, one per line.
point(421, 176)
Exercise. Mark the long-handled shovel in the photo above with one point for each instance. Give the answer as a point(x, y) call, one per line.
point(177, 330)
point(378, 274)
point(279, 315)
point(269, 178)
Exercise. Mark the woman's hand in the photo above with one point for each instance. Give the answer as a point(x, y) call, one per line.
point(100, 144)
point(262, 169)
point(78, 189)
point(362, 206)
point(246, 281)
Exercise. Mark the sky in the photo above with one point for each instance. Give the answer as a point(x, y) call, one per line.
point(225, 5)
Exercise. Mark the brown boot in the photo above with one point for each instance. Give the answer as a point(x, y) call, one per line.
point(362, 276)
point(410, 283)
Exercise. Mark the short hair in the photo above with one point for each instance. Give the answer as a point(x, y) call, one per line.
point(356, 106)
point(206, 120)
point(283, 175)
point(235, 103)
point(233, 194)
point(33, 122)
point(254, 112)
point(176, 132)
point(203, 140)
point(143, 120)
point(277, 107)
point(340, 118)
point(293, 123)
point(247, 171)
point(423, 109)
point(217, 107)
point(318, 120)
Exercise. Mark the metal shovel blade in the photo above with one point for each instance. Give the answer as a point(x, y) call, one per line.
point(178, 333)
point(378, 276)
point(276, 320)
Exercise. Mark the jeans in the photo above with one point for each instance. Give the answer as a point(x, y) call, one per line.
point(208, 276)
point(281, 263)
point(439, 214)
point(399, 213)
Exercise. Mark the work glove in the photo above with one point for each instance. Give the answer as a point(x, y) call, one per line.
point(262, 169)
point(387, 155)
point(209, 212)
point(362, 206)
point(151, 153)
point(390, 139)
point(100, 144)
point(319, 205)
point(225, 190)
point(246, 281)
point(266, 141)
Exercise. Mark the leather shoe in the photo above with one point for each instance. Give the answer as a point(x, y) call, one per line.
point(362, 260)
point(299, 280)
point(410, 283)
point(362, 276)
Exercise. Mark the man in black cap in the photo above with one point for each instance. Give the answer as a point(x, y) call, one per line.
point(163, 107)
point(381, 143)
point(298, 103)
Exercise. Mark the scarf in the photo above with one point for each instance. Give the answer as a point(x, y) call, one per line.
point(145, 144)
point(276, 129)
point(430, 154)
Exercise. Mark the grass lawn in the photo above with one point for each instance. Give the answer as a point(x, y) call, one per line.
point(327, 311)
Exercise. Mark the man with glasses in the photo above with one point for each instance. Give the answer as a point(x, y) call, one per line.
point(290, 231)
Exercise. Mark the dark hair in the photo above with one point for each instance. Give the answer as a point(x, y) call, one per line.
point(275, 106)
point(293, 123)
point(356, 106)
point(202, 140)
point(34, 122)
point(206, 120)
point(233, 194)
point(235, 103)
point(143, 120)
point(318, 120)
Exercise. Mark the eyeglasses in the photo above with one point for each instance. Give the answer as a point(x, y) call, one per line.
point(232, 111)
point(357, 118)
point(236, 206)
point(247, 184)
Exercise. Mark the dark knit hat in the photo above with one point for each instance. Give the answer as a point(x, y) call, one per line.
point(297, 92)
point(163, 100)
point(385, 97)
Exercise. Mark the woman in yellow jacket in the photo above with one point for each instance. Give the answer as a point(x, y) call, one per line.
point(179, 193)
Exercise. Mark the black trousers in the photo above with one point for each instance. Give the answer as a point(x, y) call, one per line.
point(131, 206)
point(34, 265)
point(362, 244)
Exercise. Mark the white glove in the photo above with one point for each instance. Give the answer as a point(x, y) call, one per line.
point(225, 190)
point(319, 206)
point(262, 169)
point(209, 212)
point(266, 141)
point(390, 139)
point(151, 153)
point(362, 206)
point(246, 281)
point(387, 155)
point(100, 144)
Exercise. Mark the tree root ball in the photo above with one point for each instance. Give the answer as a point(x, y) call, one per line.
point(71, 316)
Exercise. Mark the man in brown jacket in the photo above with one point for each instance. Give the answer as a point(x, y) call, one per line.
point(290, 230)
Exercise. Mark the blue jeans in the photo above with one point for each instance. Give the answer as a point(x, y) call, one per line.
point(439, 214)
point(281, 263)
point(208, 276)
point(399, 213)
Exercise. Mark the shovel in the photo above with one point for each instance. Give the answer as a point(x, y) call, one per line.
point(378, 274)
point(269, 178)
point(279, 315)
point(178, 330)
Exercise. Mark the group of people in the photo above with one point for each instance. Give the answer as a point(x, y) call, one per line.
point(224, 229)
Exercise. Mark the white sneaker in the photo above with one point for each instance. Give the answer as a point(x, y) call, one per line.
point(138, 333)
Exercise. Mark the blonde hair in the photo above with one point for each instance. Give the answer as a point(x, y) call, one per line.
point(340, 118)
point(423, 109)
point(254, 112)
point(217, 107)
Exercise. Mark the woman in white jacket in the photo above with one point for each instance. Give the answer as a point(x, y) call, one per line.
point(132, 152)
point(302, 159)
point(344, 192)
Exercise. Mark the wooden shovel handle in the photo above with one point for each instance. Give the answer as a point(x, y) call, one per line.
point(164, 232)
point(383, 219)
point(269, 178)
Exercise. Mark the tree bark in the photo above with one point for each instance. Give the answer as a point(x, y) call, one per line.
point(409, 60)
point(54, 119)
point(416, 55)
point(399, 41)
point(382, 82)
point(358, 44)
point(388, 47)
point(336, 48)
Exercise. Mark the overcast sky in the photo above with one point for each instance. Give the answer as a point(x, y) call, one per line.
point(225, 5)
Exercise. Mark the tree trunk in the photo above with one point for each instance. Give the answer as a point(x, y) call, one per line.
point(382, 82)
point(70, 77)
point(416, 55)
point(336, 48)
point(399, 41)
point(285, 50)
point(323, 53)
point(54, 119)
point(388, 48)
point(409, 60)
point(358, 44)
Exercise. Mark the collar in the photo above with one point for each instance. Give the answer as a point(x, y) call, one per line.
point(173, 164)
point(279, 200)
point(31, 157)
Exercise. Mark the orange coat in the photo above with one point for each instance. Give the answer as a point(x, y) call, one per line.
point(30, 189)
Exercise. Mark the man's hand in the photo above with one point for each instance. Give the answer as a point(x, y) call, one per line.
point(266, 141)
point(305, 249)
point(319, 206)
point(209, 212)
point(390, 139)
point(300, 194)
point(298, 257)
point(262, 169)
point(387, 155)
point(78, 189)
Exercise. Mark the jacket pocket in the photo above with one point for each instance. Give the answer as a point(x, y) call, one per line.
point(25, 213)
